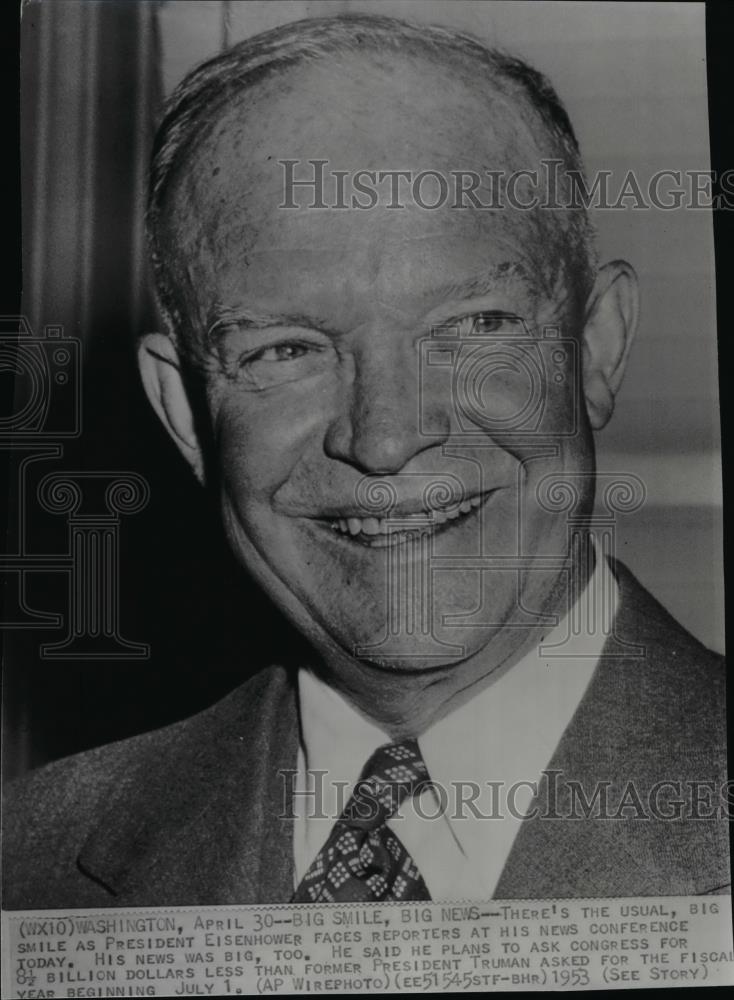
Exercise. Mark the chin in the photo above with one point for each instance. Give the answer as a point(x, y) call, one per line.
point(411, 658)
point(417, 652)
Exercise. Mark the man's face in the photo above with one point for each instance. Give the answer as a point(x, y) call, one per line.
point(353, 356)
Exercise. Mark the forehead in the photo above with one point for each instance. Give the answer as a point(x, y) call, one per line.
point(368, 113)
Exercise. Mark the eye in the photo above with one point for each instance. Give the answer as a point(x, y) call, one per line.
point(486, 323)
point(289, 351)
point(284, 362)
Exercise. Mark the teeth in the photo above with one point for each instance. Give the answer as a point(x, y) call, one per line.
point(424, 521)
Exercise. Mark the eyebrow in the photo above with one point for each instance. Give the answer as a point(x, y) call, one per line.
point(484, 283)
point(220, 317)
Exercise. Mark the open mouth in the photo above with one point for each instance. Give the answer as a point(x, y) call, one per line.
point(396, 529)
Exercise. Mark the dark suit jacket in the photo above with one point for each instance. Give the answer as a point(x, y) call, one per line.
point(190, 814)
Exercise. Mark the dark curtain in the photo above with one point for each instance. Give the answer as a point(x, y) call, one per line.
point(90, 99)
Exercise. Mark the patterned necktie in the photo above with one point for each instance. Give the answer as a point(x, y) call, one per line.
point(363, 860)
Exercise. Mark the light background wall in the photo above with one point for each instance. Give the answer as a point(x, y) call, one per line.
point(633, 78)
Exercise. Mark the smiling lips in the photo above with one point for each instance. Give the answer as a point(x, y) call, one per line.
point(398, 527)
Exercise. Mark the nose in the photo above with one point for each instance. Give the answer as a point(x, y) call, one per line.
point(383, 421)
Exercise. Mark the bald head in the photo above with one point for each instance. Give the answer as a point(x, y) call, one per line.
point(362, 93)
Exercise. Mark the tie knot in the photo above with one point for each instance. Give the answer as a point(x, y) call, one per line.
point(393, 772)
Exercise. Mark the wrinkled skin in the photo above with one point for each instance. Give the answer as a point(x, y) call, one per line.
point(310, 328)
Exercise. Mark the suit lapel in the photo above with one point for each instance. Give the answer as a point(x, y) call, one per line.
point(211, 825)
point(638, 684)
point(555, 855)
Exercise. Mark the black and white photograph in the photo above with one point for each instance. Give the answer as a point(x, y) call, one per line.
point(365, 553)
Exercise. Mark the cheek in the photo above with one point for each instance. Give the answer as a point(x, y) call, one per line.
point(558, 498)
point(254, 455)
point(562, 394)
point(260, 437)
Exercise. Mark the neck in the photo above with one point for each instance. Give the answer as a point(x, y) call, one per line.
point(405, 702)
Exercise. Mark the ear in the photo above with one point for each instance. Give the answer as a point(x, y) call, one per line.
point(160, 370)
point(612, 314)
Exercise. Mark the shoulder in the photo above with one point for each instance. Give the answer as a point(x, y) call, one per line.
point(646, 752)
point(48, 813)
point(663, 670)
point(86, 776)
point(665, 706)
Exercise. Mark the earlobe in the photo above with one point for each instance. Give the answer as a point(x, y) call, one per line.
point(160, 371)
point(611, 323)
